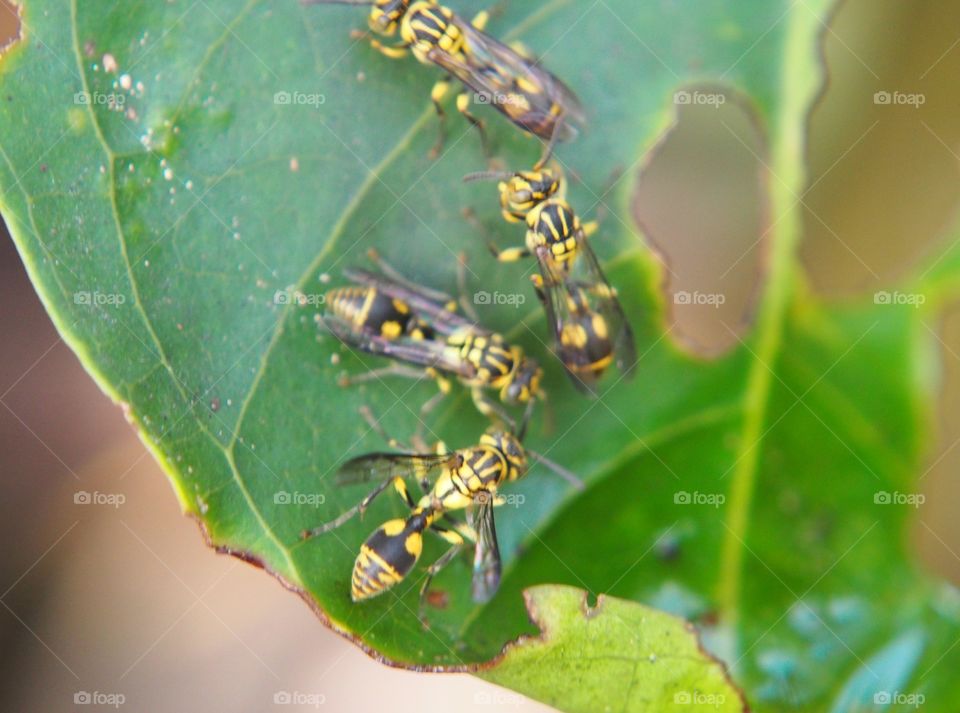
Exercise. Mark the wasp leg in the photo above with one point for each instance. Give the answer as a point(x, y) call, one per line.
point(417, 447)
point(480, 20)
point(489, 408)
point(437, 94)
point(406, 372)
point(590, 228)
point(510, 254)
point(550, 145)
point(425, 410)
point(463, 106)
point(378, 428)
point(455, 539)
point(538, 287)
point(396, 276)
point(465, 304)
point(522, 50)
point(397, 483)
point(391, 51)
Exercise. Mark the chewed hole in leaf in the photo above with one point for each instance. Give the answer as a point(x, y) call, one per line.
point(10, 24)
point(936, 527)
point(885, 135)
point(701, 202)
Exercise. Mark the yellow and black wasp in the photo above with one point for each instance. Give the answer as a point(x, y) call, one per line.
point(505, 77)
point(384, 314)
point(465, 479)
point(589, 327)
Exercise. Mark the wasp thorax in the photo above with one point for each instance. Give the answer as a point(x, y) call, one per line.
point(525, 383)
point(511, 448)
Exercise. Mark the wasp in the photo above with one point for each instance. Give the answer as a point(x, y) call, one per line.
point(368, 310)
point(385, 314)
point(465, 479)
point(590, 330)
point(505, 77)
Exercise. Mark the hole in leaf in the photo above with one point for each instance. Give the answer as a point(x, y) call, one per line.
point(10, 24)
point(938, 531)
point(700, 201)
point(884, 146)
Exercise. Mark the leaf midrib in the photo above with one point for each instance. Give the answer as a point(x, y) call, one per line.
point(229, 451)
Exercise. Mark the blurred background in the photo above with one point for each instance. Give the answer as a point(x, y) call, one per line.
point(128, 600)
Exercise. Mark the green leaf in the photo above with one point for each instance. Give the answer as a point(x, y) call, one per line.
point(160, 234)
point(651, 661)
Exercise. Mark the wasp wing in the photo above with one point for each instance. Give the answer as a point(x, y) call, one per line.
point(419, 352)
point(435, 307)
point(486, 558)
point(384, 466)
point(589, 326)
point(604, 301)
point(494, 70)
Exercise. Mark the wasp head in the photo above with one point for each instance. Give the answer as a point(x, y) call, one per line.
point(525, 190)
point(386, 15)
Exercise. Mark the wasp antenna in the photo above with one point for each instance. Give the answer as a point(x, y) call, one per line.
point(564, 473)
point(487, 176)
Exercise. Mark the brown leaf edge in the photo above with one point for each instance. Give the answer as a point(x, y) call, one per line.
point(533, 613)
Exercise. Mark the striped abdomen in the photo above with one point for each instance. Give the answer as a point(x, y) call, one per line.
point(369, 310)
point(585, 344)
point(389, 554)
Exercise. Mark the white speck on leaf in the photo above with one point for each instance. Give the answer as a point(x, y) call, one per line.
point(109, 63)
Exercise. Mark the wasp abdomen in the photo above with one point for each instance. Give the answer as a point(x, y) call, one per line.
point(368, 309)
point(388, 555)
